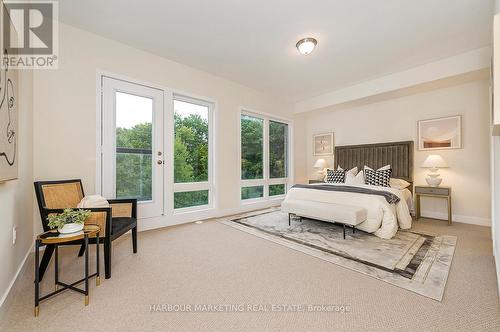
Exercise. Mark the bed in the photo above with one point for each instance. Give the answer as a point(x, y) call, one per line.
point(382, 218)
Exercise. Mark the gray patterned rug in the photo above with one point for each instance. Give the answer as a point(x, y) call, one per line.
point(413, 261)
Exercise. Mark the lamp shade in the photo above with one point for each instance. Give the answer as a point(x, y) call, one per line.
point(434, 161)
point(320, 163)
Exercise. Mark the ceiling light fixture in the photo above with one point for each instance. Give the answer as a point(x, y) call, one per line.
point(306, 45)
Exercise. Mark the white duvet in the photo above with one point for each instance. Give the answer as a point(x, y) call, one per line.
point(383, 219)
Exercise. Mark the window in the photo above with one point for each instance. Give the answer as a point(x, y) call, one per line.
point(277, 189)
point(252, 147)
point(134, 133)
point(278, 146)
point(192, 152)
point(252, 192)
point(264, 157)
point(190, 198)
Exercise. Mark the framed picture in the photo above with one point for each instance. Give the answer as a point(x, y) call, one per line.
point(441, 133)
point(8, 119)
point(323, 144)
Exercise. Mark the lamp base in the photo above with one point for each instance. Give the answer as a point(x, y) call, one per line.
point(433, 181)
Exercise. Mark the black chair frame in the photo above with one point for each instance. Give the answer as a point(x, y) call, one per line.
point(106, 240)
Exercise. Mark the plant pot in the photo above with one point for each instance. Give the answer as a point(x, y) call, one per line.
point(70, 228)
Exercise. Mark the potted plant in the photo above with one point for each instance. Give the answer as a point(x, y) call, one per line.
point(69, 221)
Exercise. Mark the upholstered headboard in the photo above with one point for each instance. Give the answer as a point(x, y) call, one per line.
point(398, 154)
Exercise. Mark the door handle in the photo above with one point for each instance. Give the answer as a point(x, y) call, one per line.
point(159, 162)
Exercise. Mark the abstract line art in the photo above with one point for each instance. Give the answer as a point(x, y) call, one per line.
point(8, 118)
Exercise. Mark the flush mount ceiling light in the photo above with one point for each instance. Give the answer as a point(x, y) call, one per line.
point(306, 45)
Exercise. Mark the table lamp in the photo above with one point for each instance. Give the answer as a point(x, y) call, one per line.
point(320, 164)
point(434, 162)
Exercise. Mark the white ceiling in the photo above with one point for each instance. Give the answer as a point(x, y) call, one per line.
point(253, 42)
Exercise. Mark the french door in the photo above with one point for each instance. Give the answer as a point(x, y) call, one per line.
point(133, 144)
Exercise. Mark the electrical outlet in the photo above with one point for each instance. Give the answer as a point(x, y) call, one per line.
point(14, 235)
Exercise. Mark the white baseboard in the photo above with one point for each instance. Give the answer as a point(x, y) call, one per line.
point(458, 218)
point(14, 279)
point(247, 207)
point(185, 218)
point(497, 266)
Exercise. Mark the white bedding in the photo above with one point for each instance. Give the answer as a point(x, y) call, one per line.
point(383, 219)
point(408, 197)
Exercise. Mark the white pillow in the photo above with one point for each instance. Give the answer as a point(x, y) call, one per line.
point(359, 178)
point(399, 183)
point(353, 170)
point(354, 177)
point(349, 175)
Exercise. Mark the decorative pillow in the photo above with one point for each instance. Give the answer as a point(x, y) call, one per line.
point(349, 178)
point(337, 176)
point(353, 170)
point(399, 183)
point(378, 178)
point(350, 175)
point(359, 179)
point(325, 172)
point(383, 168)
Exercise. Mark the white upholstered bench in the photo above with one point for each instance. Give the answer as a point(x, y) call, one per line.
point(337, 213)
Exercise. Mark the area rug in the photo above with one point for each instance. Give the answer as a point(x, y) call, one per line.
point(414, 261)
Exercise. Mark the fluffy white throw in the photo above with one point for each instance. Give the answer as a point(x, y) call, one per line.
point(93, 201)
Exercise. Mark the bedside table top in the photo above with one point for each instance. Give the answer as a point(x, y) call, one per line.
point(424, 186)
point(433, 191)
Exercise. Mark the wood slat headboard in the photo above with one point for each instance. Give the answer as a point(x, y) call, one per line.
point(397, 154)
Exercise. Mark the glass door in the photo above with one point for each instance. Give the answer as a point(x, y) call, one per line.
point(132, 144)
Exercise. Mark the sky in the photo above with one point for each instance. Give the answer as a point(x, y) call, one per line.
point(132, 109)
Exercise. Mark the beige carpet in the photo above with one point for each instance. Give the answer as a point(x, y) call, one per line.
point(212, 263)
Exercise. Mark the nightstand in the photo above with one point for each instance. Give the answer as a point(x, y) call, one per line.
point(440, 192)
point(316, 181)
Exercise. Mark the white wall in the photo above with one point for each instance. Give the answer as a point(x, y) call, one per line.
point(16, 197)
point(495, 179)
point(495, 201)
point(65, 108)
point(396, 120)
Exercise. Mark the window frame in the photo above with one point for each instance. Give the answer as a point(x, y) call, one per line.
point(266, 181)
point(195, 186)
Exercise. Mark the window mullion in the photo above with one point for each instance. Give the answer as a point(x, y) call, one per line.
point(266, 157)
point(191, 186)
